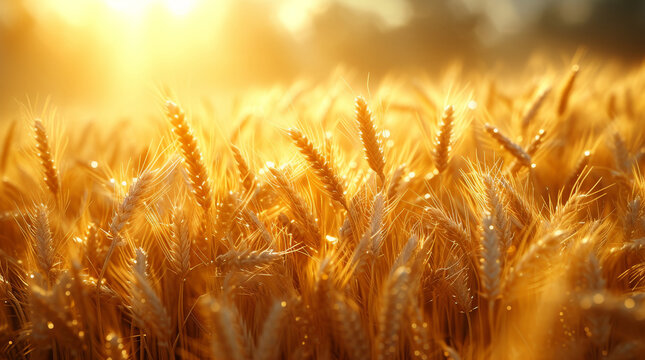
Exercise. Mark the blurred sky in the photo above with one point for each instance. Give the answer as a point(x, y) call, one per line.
point(114, 55)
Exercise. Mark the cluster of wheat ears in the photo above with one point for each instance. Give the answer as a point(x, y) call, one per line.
point(503, 221)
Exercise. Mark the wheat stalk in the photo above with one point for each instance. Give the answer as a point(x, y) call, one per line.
point(299, 208)
point(43, 241)
point(520, 155)
point(443, 142)
point(247, 177)
point(146, 306)
point(534, 107)
point(392, 309)
point(531, 150)
point(192, 155)
point(371, 143)
point(565, 94)
point(46, 161)
point(491, 263)
point(181, 246)
point(246, 259)
point(321, 166)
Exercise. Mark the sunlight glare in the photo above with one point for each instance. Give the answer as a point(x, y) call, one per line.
point(138, 7)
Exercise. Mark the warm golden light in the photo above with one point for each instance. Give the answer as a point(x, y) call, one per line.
point(139, 7)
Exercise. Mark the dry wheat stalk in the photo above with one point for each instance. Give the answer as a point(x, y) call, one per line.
point(565, 94)
point(520, 208)
point(268, 344)
point(451, 229)
point(491, 259)
point(146, 306)
point(632, 217)
point(392, 310)
point(180, 248)
point(247, 177)
point(371, 143)
point(124, 213)
point(246, 259)
point(443, 142)
point(320, 165)
point(531, 150)
point(44, 155)
point(578, 170)
point(497, 210)
point(192, 155)
point(43, 241)
point(347, 321)
point(229, 341)
point(520, 155)
point(535, 106)
point(299, 208)
point(533, 255)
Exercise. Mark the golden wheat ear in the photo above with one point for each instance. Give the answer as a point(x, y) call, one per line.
point(491, 268)
point(520, 155)
point(394, 299)
point(43, 152)
point(320, 165)
point(192, 155)
point(565, 94)
point(443, 142)
point(299, 208)
point(371, 143)
point(535, 107)
point(247, 177)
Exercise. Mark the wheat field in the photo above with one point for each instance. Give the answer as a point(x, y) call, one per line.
point(467, 217)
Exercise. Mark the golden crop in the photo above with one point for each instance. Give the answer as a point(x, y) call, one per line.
point(465, 218)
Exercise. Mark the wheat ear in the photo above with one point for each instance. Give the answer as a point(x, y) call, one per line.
point(229, 341)
point(192, 155)
point(582, 163)
point(320, 165)
point(268, 344)
point(393, 304)
point(491, 265)
point(124, 213)
point(522, 157)
point(451, 229)
point(44, 155)
point(180, 249)
point(443, 142)
point(535, 252)
point(43, 242)
point(370, 243)
point(531, 149)
point(147, 308)
point(496, 210)
point(246, 175)
point(347, 321)
point(520, 208)
point(371, 143)
point(632, 217)
point(246, 259)
point(535, 107)
point(299, 208)
point(566, 90)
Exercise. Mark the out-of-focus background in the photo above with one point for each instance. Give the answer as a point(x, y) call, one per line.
point(114, 56)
